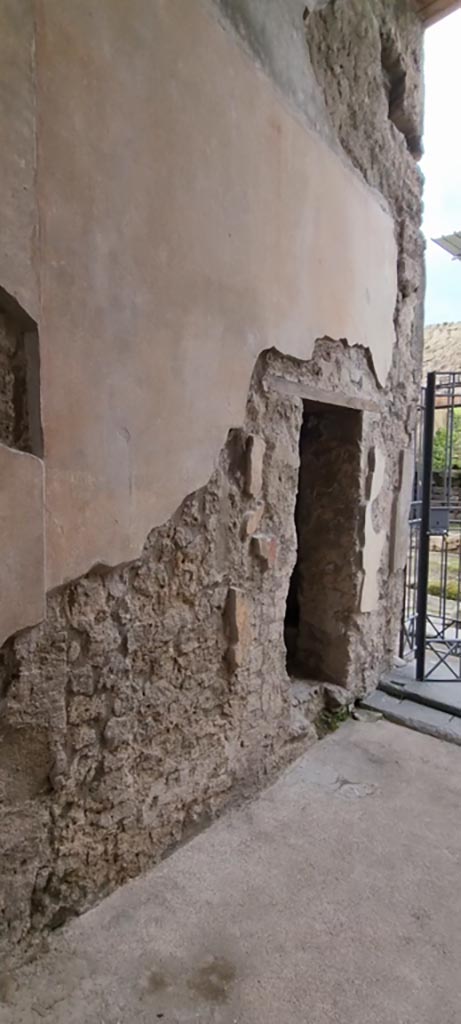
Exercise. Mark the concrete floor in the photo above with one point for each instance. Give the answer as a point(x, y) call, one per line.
point(333, 897)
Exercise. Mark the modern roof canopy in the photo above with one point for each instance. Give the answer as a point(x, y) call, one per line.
point(431, 11)
point(451, 244)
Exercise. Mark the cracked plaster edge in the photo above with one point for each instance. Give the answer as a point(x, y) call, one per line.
point(103, 565)
point(329, 141)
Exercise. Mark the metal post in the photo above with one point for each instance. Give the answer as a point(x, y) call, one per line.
point(424, 538)
point(403, 615)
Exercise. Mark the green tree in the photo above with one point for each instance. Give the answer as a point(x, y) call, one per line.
point(441, 452)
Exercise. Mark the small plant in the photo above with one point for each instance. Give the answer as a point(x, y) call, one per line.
point(329, 721)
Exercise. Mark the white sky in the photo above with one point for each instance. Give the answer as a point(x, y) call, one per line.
point(441, 166)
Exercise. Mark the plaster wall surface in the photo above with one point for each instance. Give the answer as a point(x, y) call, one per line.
point(222, 228)
point(374, 539)
point(22, 591)
point(18, 272)
point(402, 499)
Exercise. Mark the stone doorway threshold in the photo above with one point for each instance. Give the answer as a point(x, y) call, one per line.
point(413, 715)
point(431, 707)
point(435, 693)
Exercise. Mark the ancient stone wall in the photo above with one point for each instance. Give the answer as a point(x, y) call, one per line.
point(367, 57)
point(153, 692)
point(156, 691)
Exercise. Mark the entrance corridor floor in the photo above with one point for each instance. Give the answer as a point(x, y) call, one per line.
point(334, 896)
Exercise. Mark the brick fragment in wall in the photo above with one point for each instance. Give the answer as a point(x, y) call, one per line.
point(265, 548)
point(235, 656)
point(254, 454)
point(238, 628)
point(236, 615)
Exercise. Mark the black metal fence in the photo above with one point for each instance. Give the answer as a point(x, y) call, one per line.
point(431, 620)
point(409, 613)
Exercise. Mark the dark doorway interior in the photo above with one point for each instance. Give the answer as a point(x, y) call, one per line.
point(20, 416)
point(324, 587)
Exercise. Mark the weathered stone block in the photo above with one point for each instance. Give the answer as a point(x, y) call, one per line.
point(238, 629)
point(336, 697)
point(85, 709)
point(300, 727)
point(235, 656)
point(116, 732)
point(83, 736)
point(73, 652)
point(255, 448)
point(265, 548)
point(236, 615)
point(82, 680)
point(251, 520)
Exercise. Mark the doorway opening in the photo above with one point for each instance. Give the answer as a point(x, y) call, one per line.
point(324, 589)
point(20, 415)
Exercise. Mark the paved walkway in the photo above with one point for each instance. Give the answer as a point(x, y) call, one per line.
point(333, 897)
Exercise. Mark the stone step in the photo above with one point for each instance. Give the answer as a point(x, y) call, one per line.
point(415, 716)
point(444, 696)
